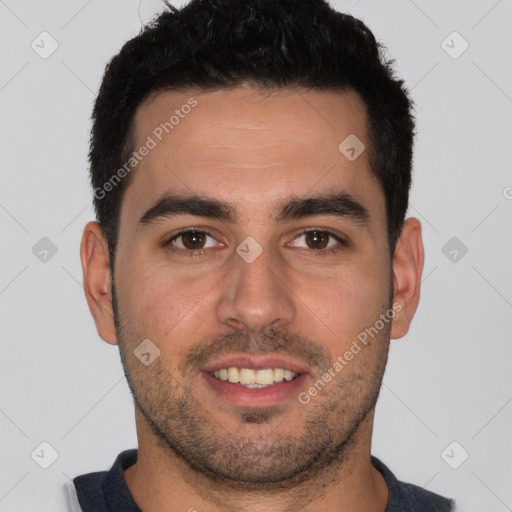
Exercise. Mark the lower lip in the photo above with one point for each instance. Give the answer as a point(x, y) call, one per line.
point(255, 397)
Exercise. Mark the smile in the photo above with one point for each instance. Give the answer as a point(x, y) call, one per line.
point(250, 378)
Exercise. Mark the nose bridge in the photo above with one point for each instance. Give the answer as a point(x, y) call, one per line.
point(255, 296)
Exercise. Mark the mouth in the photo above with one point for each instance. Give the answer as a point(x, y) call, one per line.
point(251, 381)
point(254, 379)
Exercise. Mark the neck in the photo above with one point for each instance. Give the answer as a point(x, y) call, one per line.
point(162, 481)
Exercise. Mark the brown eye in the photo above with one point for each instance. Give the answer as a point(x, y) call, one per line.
point(317, 239)
point(320, 242)
point(193, 240)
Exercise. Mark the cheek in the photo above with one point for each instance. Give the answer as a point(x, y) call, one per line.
point(349, 301)
point(169, 309)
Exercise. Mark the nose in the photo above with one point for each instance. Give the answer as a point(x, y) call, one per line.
point(255, 295)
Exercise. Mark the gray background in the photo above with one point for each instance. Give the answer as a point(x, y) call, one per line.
point(448, 381)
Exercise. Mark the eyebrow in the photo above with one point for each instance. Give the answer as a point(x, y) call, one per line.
point(340, 205)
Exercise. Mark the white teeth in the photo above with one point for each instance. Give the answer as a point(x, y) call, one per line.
point(247, 376)
point(257, 386)
point(265, 376)
point(233, 375)
point(254, 378)
point(278, 374)
point(288, 375)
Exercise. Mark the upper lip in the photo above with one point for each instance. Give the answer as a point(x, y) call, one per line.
point(255, 362)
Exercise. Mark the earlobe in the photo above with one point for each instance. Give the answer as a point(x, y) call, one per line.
point(407, 269)
point(97, 280)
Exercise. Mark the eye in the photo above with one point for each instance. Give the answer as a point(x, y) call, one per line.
point(318, 240)
point(192, 240)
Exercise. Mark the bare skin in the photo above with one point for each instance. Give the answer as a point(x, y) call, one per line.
point(255, 151)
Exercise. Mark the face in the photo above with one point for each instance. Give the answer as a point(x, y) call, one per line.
point(252, 249)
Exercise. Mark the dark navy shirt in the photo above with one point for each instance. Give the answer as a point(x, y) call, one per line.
point(106, 491)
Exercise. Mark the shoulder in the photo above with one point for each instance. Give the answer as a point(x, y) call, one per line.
point(106, 490)
point(404, 497)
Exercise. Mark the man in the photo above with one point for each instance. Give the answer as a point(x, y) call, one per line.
point(251, 164)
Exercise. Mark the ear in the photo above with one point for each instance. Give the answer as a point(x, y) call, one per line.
point(97, 280)
point(407, 269)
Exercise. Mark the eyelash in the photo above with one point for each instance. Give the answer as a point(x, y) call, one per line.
point(199, 252)
point(186, 252)
point(325, 252)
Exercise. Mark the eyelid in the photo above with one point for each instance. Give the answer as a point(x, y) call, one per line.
point(339, 238)
point(168, 241)
point(191, 252)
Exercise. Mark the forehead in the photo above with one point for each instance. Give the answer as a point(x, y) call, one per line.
point(251, 147)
